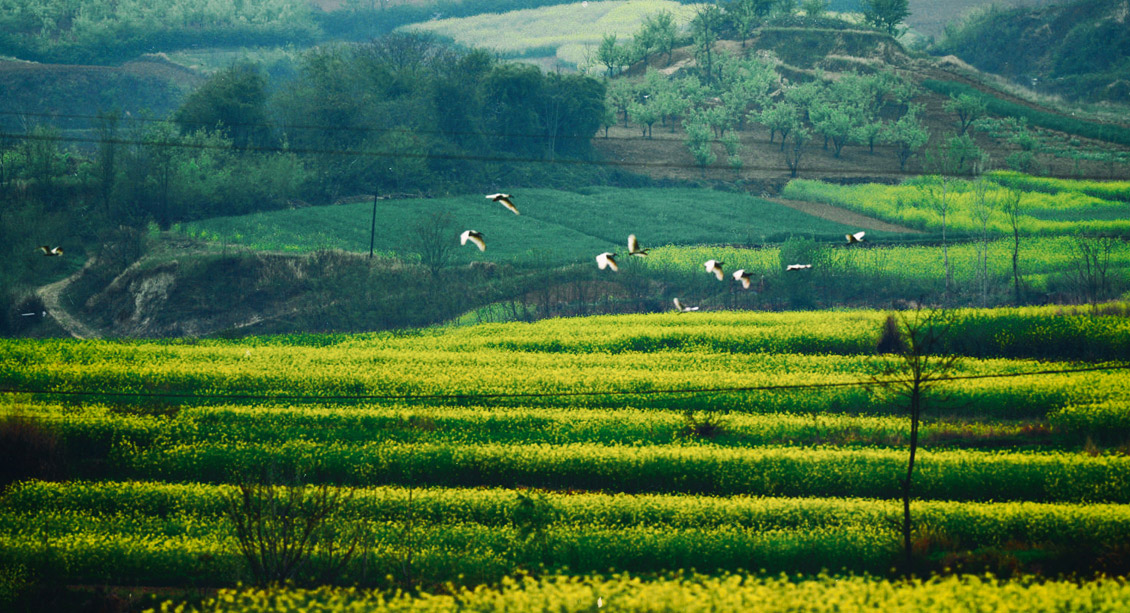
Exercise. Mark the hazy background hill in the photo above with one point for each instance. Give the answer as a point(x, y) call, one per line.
point(1077, 49)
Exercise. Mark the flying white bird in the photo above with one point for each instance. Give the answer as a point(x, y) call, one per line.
point(714, 267)
point(504, 200)
point(855, 238)
point(607, 260)
point(683, 309)
point(49, 251)
point(798, 266)
point(474, 237)
point(742, 276)
point(634, 246)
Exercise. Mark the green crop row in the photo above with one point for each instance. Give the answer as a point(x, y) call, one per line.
point(95, 431)
point(1106, 190)
point(585, 533)
point(576, 362)
point(195, 510)
point(699, 469)
point(729, 593)
point(1053, 121)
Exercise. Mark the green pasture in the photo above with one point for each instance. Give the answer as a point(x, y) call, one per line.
point(554, 227)
point(570, 32)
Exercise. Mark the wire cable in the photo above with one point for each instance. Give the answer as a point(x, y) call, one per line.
point(477, 158)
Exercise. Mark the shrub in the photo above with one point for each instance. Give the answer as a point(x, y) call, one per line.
point(27, 451)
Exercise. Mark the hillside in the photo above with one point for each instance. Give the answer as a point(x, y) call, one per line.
point(68, 95)
point(1079, 50)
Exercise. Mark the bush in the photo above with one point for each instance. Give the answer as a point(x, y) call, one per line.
point(27, 451)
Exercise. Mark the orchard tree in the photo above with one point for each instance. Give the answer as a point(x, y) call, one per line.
point(867, 133)
point(745, 15)
point(610, 54)
point(968, 108)
point(706, 28)
point(908, 135)
point(662, 32)
point(699, 142)
point(795, 152)
point(645, 115)
point(835, 121)
point(781, 118)
point(886, 14)
point(620, 93)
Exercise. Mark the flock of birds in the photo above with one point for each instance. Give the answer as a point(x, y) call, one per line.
point(607, 259)
point(604, 260)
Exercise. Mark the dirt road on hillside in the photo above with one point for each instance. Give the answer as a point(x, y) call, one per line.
point(50, 295)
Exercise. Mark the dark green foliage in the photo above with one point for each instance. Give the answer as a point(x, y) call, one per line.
point(1044, 119)
point(233, 102)
point(28, 450)
point(891, 339)
point(886, 14)
point(1079, 49)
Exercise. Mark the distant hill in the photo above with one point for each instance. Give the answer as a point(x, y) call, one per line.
point(931, 17)
point(67, 95)
point(1079, 50)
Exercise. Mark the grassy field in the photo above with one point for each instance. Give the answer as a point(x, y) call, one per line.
point(573, 448)
point(568, 32)
point(554, 227)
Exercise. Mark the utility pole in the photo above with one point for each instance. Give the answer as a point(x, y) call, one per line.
point(373, 228)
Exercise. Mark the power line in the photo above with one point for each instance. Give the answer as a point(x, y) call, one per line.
point(559, 394)
point(466, 157)
point(421, 156)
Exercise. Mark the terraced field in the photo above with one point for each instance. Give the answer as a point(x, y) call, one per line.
point(601, 457)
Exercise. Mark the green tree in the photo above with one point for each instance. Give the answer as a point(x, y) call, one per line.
point(662, 32)
point(795, 152)
point(784, 7)
point(107, 156)
point(572, 108)
point(814, 8)
point(968, 108)
point(781, 118)
point(233, 101)
point(908, 136)
point(699, 142)
point(886, 14)
point(836, 122)
point(745, 15)
point(645, 115)
point(867, 133)
point(610, 54)
point(620, 93)
point(964, 154)
point(706, 28)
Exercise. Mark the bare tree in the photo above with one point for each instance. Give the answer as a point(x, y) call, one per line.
point(279, 528)
point(1011, 204)
point(920, 363)
point(434, 238)
point(984, 209)
point(1091, 266)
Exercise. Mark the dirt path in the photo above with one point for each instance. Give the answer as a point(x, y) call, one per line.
point(844, 216)
point(50, 296)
